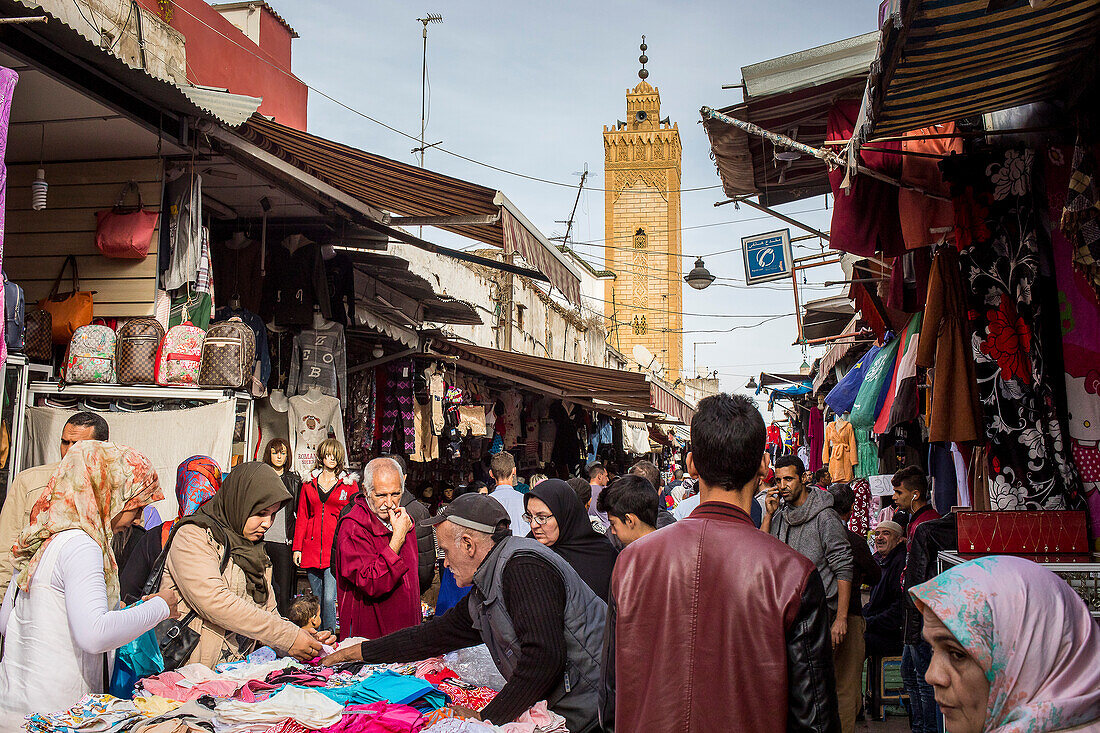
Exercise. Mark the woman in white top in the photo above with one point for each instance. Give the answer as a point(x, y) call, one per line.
point(58, 617)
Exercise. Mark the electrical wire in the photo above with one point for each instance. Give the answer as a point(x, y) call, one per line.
point(393, 129)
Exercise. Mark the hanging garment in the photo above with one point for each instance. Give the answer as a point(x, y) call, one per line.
point(399, 407)
point(945, 344)
point(920, 214)
point(1081, 215)
point(909, 280)
point(865, 216)
point(1079, 301)
point(1028, 458)
point(426, 444)
point(876, 382)
point(841, 397)
point(182, 237)
point(839, 451)
point(236, 265)
point(901, 399)
point(319, 359)
point(280, 347)
point(867, 452)
point(860, 521)
point(340, 278)
point(294, 284)
point(816, 433)
point(941, 469)
point(311, 421)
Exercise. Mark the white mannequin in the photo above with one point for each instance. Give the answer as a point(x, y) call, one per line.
point(314, 394)
point(279, 401)
point(318, 319)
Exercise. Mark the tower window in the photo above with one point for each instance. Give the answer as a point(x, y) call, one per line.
point(639, 325)
point(640, 239)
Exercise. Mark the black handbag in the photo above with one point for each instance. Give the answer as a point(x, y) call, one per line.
point(175, 637)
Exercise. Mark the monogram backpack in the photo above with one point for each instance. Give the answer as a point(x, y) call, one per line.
point(91, 356)
point(228, 355)
point(179, 356)
point(138, 342)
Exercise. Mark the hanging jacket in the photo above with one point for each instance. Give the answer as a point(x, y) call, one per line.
point(297, 283)
point(319, 359)
point(317, 515)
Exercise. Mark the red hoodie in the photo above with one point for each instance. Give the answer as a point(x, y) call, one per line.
point(318, 512)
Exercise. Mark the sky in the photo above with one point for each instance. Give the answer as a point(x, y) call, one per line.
point(528, 87)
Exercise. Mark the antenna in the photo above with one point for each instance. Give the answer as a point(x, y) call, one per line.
point(428, 18)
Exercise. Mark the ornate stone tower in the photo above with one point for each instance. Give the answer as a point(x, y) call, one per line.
point(642, 229)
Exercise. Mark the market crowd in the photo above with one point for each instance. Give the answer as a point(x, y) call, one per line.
point(728, 597)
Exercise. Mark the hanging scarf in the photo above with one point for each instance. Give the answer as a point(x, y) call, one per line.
point(1032, 636)
point(589, 553)
point(247, 490)
point(92, 484)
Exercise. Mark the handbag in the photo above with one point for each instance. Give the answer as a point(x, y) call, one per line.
point(69, 311)
point(125, 233)
point(38, 336)
point(175, 637)
point(1048, 532)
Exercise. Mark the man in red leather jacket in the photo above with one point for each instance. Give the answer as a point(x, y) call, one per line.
point(713, 625)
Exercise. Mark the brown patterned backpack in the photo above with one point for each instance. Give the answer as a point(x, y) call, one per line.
point(228, 355)
point(136, 351)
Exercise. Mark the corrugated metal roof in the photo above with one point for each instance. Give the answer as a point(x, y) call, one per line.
point(232, 109)
point(952, 59)
point(790, 95)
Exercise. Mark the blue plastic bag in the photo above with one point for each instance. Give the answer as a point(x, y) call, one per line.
point(140, 658)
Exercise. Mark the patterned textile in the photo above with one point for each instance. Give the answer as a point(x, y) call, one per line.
point(197, 479)
point(1081, 216)
point(92, 484)
point(1030, 467)
point(1042, 676)
point(467, 695)
point(8, 79)
point(91, 714)
point(860, 521)
point(399, 404)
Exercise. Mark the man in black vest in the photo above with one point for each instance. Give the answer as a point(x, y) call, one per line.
point(542, 623)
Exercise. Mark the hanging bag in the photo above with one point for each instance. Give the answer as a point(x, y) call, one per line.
point(125, 233)
point(68, 311)
point(175, 637)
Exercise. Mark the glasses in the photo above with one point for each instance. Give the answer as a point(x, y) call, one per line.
point(537, 519)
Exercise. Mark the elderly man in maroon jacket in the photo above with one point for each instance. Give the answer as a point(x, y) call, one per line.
point(713, 625)
point(375, 558)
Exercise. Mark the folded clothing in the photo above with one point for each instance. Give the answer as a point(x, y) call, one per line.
point(388, 686)
point(307, 706)
point(91, 714)
point(379, 717)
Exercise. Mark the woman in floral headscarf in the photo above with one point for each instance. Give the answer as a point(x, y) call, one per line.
point(1014, 649)
point(197, 479)
point(58, 617)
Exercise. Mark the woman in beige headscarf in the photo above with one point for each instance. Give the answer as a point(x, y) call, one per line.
point(59, 618)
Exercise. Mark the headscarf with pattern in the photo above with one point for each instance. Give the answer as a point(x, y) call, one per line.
point(1032, 636)
point(93, 483)
point(197, 479)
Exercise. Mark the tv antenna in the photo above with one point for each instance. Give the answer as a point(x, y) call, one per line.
point(428, 18)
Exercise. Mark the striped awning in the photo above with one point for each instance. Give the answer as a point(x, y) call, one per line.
point(670, 403)
point(952, 59)
point(518, 238)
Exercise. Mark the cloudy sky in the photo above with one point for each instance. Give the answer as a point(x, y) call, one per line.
point(528, 87)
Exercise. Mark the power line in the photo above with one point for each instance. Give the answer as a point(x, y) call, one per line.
point(391, 128)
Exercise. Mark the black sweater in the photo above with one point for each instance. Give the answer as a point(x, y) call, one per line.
point(534, 596)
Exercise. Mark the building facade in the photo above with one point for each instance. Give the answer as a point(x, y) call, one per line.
point(642, 231)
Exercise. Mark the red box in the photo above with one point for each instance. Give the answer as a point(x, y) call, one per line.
point(1023, 533)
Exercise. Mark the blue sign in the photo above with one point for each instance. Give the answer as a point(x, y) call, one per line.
point(767, 256)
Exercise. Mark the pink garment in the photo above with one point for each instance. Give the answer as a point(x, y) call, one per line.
point(1043, 676)
point(538, 719)
point(378, 717)
point(167, 685)
point(816, 434)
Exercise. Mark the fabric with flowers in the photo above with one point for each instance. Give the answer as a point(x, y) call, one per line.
point(1030, 633)
point(197, 479)
point(92, 484)
point(999, 228)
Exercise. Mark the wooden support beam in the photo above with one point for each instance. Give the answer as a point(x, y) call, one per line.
point(440, 221)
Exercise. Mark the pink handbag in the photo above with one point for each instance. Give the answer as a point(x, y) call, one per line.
point(125, 233)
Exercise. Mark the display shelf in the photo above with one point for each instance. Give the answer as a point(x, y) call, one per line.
point(1083, 576)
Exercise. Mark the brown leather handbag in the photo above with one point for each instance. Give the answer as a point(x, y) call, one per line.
point(70, 310)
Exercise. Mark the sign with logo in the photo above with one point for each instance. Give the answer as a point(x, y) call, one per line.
point(767, 256)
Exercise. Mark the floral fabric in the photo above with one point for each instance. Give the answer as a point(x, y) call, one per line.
point(92, 484)
point(999, 224)
point(1043, 676)
point(197, 479)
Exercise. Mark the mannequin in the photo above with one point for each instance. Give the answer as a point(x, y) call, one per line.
point(279, 400)
point(270, 421)
point(319, 359)
point(318, 319)
point(840, 452)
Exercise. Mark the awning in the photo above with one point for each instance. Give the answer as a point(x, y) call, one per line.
point(615, 391)
point(790, 95)
point(837, 351)
point(827, 317)
point(951, 59)
point(404, 190)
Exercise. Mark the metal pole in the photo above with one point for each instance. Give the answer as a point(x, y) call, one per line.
point(423, 88)
point(782, 217)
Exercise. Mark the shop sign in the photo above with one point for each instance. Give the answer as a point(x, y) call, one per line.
point(767, 256)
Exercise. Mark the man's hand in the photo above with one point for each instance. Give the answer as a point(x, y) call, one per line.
point(325, 637)
point(771, 501)
point(349, 653)
point(462, 712)
point(839, 630)
point(401, 523)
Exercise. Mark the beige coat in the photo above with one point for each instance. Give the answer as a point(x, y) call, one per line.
point(222, 602)
point(16, 514)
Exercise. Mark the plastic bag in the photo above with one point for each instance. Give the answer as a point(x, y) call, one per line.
point(476, 665)
point(140, 658)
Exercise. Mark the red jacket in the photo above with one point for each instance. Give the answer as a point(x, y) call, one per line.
point(318, 512)
point(378, 590)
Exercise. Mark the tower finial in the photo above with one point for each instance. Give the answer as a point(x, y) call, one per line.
point(642, 73)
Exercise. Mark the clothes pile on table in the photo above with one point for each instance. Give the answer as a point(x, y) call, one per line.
point(266, 694)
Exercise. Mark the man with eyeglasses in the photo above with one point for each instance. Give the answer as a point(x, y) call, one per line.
point(885, 609)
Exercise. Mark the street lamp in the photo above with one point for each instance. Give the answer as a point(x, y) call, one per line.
point(699, 277)
point(752, 384)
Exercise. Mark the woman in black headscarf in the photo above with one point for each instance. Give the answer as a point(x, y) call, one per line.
point(558, 520)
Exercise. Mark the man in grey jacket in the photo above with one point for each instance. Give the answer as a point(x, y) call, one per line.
point(807, 523)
